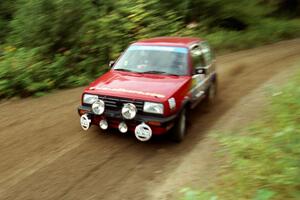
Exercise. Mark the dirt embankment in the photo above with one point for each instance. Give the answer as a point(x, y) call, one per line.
point(45, 154)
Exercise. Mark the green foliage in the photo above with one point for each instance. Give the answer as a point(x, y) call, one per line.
point(285, 8)
point(189, 194)
point(18, 70)
point(50, 25)
point(6, 12)
point(74, 40)
point(264, 161)
point(226, 13)
point(267, 31)
point(23, 72)
point(264, 194)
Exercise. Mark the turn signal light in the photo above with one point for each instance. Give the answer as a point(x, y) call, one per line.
point(82, 112)
point(154, 123)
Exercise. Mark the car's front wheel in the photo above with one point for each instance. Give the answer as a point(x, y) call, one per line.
point(180, 127)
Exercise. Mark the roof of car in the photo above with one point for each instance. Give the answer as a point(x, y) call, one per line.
point(170, 41)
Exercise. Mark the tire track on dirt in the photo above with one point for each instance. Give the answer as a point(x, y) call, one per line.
point(89, 173)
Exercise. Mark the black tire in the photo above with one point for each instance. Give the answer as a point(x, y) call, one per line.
point(211, 94)
point(179, 130)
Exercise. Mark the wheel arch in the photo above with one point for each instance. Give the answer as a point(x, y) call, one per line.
point(186, 104)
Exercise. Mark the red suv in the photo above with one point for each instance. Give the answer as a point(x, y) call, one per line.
point(150, 88)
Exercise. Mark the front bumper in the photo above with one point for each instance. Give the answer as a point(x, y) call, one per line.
point(158, 124)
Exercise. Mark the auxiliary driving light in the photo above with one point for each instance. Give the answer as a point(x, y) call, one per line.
point(123, 128)
point(129, 111)
point(85, 122)
point(143, 132)
point(98, 107)
point(103, 124)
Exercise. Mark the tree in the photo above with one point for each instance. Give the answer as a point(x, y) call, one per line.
point(50, 25)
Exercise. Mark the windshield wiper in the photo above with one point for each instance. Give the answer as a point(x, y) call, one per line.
point(124, 70)
point(159, 72)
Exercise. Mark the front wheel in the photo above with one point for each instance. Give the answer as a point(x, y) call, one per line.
point(180, 127)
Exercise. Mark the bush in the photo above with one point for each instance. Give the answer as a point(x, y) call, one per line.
point(266, 31)
point(24, 72)
point(18, 73)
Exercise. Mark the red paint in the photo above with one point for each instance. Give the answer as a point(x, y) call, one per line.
point(170, 41)
point(169, 86)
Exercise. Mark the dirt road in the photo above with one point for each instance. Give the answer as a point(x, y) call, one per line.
point(46, 155)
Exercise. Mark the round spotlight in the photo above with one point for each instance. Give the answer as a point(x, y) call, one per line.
point(85, 122)
point(103, 124)
point(123, 128)
point(129, 111)
point(98, 107)
point(143, 132)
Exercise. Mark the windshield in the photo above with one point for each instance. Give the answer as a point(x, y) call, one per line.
point(154, 60)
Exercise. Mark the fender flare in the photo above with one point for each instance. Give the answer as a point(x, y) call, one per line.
point(186, 103)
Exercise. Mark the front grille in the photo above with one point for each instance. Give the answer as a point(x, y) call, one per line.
point(115, 103)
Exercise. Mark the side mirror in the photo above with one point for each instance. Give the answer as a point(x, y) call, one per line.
point(200, 70)
point(111, 63)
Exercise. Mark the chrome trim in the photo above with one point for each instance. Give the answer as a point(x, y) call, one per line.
point(200, 94)
point(201, 83)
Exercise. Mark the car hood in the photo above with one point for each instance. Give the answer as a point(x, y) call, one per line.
point(150, 87)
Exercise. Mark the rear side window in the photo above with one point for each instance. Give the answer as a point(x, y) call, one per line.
point(197, 57)
point(207, 53)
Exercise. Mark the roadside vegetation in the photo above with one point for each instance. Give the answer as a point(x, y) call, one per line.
point(46, 45)
point(263, 161)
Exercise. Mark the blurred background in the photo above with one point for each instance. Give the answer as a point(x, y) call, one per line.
point(46, 45)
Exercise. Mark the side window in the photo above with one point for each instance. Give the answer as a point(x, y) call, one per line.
point(207, 53)
point(197, 57)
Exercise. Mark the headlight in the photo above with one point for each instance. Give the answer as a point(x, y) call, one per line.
point(89, 98)
point(98, 107)
point(129, 111)
point(156, 108)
